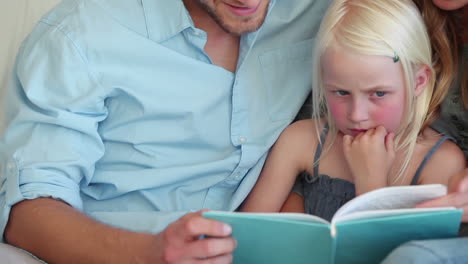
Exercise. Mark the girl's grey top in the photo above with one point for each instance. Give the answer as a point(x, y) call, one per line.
point(324, 195)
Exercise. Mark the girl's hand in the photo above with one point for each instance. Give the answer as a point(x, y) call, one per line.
point(370, 156)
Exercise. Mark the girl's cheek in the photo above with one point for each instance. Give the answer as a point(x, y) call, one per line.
point(337, 109)
point(390, 116)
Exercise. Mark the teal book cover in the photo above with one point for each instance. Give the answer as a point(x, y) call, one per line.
point(364, 230)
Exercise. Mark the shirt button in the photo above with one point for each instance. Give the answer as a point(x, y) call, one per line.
point(242, 140)
point(10, 166)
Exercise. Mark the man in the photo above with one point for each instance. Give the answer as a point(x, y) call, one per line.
point(125, 116)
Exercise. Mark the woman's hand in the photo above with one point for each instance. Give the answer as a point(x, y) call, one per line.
point(457, 195)
point(370, 156)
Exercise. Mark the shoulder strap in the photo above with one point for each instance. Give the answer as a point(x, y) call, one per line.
point(318, 151)
point(427, 157)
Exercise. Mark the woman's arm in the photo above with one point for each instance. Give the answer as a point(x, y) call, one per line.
point(291, 154)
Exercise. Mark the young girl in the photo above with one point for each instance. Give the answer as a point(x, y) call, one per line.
point(372, 104)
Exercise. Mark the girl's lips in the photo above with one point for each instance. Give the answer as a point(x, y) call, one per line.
point(242, 11)
point(356, 132)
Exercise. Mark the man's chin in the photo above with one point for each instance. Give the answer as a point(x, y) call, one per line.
point(241, 27)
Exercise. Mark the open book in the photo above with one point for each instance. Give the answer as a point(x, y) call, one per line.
point(364, 230)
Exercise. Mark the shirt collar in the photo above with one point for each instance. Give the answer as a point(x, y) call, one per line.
point(165, 18)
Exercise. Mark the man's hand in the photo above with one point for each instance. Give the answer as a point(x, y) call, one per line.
point(370, 156)
point(457, 195)
point(180, 241)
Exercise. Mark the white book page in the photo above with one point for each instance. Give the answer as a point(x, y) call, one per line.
point(389, 198)
point(285, 216)
point(384, 213)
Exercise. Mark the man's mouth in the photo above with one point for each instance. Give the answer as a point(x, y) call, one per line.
point(242, 11)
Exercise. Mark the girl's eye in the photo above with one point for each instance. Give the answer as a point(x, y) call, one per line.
point(380, 93)
point(341, 92)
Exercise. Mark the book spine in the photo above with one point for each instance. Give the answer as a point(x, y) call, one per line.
point(333, 249)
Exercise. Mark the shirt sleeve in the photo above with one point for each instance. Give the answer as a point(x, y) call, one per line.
point(54, 105)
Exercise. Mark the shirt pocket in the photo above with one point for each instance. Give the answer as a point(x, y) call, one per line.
point(287, 77)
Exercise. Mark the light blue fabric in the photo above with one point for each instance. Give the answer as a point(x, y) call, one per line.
point(13, 255)
point(115, 108)
point(443, 251)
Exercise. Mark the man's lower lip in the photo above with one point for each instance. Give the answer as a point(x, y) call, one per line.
point(242, 11)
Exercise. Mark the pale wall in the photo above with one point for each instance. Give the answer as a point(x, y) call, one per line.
point(17, 17)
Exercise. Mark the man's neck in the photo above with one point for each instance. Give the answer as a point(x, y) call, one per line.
point(221, 46)
point(203, 20)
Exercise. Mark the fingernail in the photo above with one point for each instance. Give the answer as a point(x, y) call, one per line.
point(464, 185)
point(227, 229)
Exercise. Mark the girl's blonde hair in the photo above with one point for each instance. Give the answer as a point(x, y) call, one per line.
point(383, 28)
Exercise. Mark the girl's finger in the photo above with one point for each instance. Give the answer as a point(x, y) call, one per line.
point(347, 140)
point(389, 142)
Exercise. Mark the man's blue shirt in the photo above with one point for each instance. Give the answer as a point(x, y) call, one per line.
point(115, 108)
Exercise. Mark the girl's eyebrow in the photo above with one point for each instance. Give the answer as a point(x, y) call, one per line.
point(370, 88)
point(379, 88)
point(333, 85)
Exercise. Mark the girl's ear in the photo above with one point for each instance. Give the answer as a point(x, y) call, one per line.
point(423, 75)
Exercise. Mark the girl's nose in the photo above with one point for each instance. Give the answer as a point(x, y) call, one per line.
point(358, 112)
